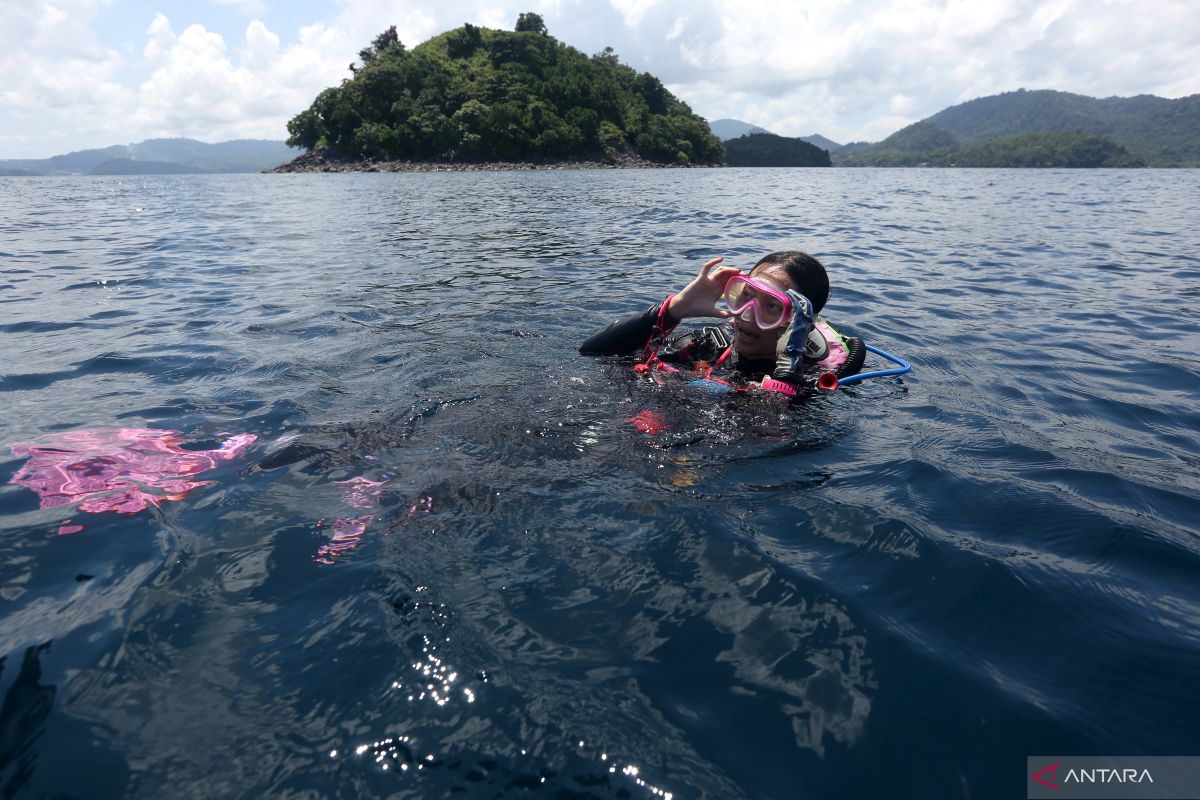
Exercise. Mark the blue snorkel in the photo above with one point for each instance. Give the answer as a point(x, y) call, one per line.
point(827, 381)
point(903, 368)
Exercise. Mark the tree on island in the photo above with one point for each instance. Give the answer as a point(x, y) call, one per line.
point(386, 42)
point(476, 94)
point(531, 23)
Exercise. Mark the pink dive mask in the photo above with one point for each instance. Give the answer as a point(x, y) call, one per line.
point(771, 307)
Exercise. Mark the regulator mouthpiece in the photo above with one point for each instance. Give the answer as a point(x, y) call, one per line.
point(828, 382)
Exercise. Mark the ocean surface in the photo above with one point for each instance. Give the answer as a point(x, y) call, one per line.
point(305, 491)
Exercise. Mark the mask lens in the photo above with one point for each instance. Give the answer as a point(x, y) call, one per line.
point(747, 298)
point(768, 311)
point(735, 297)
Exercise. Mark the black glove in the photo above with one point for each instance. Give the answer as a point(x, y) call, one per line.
point(789, 352)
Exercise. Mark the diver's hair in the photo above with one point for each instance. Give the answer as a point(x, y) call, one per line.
point(804, 271)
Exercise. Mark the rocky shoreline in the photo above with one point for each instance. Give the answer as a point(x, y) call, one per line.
point(323, 161)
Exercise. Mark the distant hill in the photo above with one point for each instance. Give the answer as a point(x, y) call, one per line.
point(478, 95)
point(132, 166)
point(1023, 150)
point(13, 168)
point(823, 143)
point(854, 147)
point(159, 157)
point(1152, 130)
point(917, 139)
point(769, 150)
point(726, 129)
point(1163, 132)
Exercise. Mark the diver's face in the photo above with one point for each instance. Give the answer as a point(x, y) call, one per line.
point(750, 340)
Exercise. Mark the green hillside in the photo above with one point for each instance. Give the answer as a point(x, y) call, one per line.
point(475, 94)
point(769, 150)
point(1026, 150)
point(1155, 131)
point(920, 137)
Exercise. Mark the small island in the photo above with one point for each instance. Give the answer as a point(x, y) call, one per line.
point(475, 98)
point(769, 150)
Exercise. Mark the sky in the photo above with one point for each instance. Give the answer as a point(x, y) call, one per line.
point(76, 74)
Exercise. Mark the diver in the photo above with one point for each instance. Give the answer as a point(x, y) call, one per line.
point(772, 337)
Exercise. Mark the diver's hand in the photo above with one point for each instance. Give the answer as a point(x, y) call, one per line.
point(699, 298)
point(789, 352)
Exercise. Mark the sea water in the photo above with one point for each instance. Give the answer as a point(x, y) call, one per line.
point(447, 556)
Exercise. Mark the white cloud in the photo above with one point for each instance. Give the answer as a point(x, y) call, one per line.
point(497, 18)
point(58, 87)
point(902, 104)
point(262, 46)
point(850, 71)
point(195, 87)
point(677, 29)
point(199, 90)
point(161, 40)
point(633, 11)
point(55, 78)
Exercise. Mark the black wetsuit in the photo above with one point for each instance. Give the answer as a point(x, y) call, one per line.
point(631, 334)
point(688, 349)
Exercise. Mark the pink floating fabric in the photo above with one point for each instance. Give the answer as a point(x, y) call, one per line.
point(116, 469)
point(347, 531)
point(360, 493)
point(420, 508)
